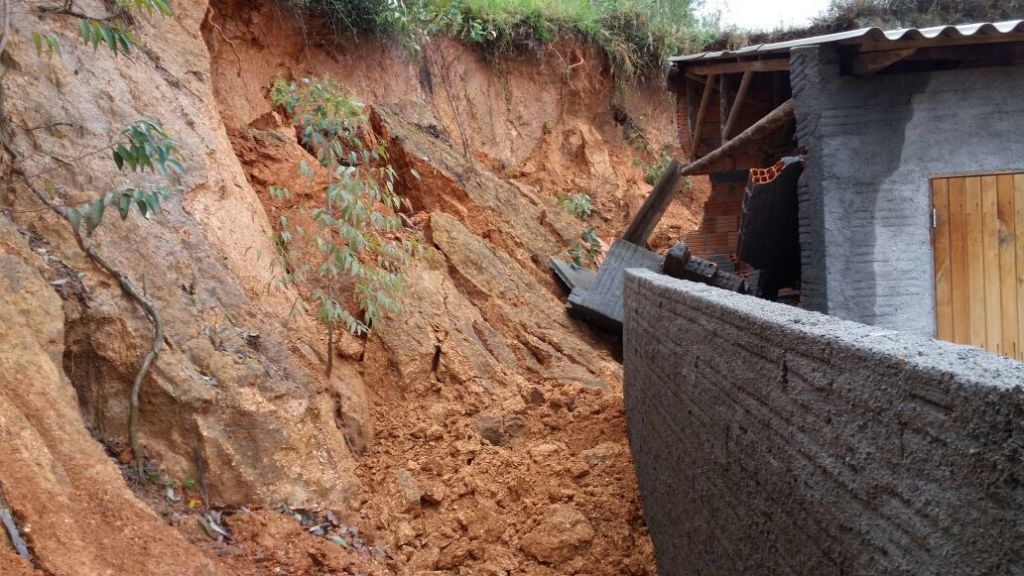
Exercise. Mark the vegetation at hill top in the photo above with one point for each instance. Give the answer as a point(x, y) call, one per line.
point(636, 35)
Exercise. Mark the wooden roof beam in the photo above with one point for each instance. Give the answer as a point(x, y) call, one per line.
point(773, 65)
point(868, 63)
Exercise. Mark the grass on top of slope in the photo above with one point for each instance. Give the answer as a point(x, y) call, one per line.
point(636, 35)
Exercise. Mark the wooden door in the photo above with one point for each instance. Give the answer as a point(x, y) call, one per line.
point(978, 241)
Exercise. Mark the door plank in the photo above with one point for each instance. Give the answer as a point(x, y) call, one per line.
point(940, 247)
point(958, 260)
point(1008, 266)
point(990, 248)
point(1018, 197)
point(975, 262)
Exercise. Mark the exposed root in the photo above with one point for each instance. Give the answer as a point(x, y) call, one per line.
point(129, 288)
point(7, 520)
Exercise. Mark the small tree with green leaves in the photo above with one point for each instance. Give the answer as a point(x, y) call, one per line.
point(587, 250)
point(140, 147)
point(357, 237)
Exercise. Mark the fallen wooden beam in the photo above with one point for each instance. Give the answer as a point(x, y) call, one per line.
point(763, 127)
point(654, 206)
point(664, 192)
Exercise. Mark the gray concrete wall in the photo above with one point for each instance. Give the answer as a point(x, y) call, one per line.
point(773, 440)
point(865, 198)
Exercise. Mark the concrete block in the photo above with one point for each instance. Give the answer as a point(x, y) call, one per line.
point(600, 303)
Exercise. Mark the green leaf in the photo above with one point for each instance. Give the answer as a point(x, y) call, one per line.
point(108, 37)
point(124, 205)
point(94, 217)
point(75, 218)
point(37, 41)
point(153, 202)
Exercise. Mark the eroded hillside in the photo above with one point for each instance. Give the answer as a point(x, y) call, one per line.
point(479, 432)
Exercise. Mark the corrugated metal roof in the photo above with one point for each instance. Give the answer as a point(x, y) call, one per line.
point(865, 35)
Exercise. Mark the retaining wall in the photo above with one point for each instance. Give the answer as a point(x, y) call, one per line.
point(773, 440)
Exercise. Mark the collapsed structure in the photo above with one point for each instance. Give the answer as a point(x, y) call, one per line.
point(913, 189)
point(769, 439)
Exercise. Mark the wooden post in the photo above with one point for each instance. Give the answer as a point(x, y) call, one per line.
point(709, 87)
point(737, 104)
point(763, 127)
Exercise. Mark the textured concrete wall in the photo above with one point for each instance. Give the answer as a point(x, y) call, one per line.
point(773, 440)
point(865, 198)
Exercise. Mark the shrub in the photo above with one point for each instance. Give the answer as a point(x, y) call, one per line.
point(579, 205)
point(654, 171)
point(587, 250)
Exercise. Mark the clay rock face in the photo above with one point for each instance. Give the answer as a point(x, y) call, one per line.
point(487, 394)
point(481, 307)
point(73, 507)
point(526, 227)
point(254, 412)
point(562, 533)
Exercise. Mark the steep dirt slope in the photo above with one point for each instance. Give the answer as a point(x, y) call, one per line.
point(75, 509)
point(555, 121)
point(480, 432)
point(250, 424)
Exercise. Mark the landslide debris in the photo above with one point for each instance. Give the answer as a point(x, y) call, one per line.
point(481, 432)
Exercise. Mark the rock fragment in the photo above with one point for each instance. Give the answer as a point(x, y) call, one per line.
point(561, 535)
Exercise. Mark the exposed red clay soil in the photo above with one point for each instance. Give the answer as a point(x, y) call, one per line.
point(508, 455)
point(480, 432)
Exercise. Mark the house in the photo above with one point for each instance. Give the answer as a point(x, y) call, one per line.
point(911, 202)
